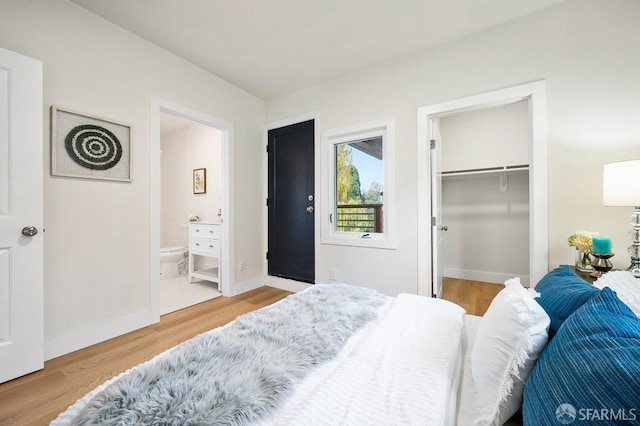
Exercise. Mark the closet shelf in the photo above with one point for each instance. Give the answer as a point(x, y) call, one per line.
point(486, 170)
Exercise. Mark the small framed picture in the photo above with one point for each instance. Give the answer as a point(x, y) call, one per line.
point(89, 147)
point(200, 181)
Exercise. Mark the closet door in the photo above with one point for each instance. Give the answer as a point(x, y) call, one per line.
point(436, 208)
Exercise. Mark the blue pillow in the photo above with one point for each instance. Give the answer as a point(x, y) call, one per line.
point(590, 371)
point(561, 293)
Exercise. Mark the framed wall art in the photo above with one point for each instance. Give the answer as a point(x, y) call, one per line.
point(89, 147)
point(200, 181)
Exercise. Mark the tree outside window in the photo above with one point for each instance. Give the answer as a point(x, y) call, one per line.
point(359, 191)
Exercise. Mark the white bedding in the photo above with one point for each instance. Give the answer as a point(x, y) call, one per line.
point(625, 285)
point(405, 367)
point(402, 369)
point(467, 390)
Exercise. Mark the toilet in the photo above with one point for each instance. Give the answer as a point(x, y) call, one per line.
point(170, 260)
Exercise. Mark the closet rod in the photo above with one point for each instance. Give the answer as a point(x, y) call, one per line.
point(486, 170)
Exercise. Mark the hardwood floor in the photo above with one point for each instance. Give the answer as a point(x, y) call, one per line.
point(38, 398)
point(474, 296)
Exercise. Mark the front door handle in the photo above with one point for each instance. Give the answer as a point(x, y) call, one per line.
point(310, 209)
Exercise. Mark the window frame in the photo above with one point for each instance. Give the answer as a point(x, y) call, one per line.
point(384, 128)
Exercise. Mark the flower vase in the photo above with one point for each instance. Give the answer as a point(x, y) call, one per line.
point(583, 261)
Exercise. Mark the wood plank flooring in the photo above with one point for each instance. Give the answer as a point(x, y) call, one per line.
point(38, 398)
point(474, 296)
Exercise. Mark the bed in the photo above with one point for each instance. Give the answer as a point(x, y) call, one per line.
point(337, 354)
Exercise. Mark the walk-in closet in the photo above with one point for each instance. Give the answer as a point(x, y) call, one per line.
point(485, 193)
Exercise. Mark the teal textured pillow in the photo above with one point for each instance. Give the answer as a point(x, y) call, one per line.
point(590, 372)
point(561, 293)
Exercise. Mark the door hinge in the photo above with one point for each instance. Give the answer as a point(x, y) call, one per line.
point(267, 149)
point(433, 221)
point(432, 143)
point(267, 255)
point(267, 202)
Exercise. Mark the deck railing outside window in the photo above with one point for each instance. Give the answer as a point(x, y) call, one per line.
point(359, 218)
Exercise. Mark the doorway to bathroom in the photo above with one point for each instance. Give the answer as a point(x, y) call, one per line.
point(189, 170)
point(190, 181)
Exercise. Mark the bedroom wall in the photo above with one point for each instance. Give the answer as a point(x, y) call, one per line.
point(587, 52)
point(96, 246)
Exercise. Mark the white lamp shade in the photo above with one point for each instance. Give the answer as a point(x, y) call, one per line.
point(621, 184)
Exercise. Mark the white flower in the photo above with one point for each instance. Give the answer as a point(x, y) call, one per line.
point(582, 240)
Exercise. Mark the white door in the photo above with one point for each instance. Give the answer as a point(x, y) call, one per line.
point(21, 258)
point(436, 207)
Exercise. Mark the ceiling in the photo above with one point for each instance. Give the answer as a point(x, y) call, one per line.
point(272, 47)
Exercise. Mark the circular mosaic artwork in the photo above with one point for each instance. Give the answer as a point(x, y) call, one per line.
point(93, 147)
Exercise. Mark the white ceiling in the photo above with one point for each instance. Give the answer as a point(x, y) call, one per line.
point(272, 47)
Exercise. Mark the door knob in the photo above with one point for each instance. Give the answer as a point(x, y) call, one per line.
point(444, 228)
point(29, 231)
point(310, 209)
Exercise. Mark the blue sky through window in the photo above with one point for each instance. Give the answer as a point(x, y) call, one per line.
point(369, 169)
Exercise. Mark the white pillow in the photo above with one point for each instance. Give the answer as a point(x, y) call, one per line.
point(510, 337)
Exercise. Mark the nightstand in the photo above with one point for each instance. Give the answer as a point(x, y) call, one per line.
point(584, 275)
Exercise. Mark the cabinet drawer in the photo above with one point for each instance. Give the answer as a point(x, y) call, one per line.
point(206, 246)
point(205, 230)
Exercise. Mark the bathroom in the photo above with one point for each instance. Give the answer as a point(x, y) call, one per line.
point(190, 169)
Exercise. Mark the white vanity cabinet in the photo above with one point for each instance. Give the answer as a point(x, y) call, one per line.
point(204, 252)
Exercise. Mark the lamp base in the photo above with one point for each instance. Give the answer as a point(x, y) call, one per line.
point(601, 264)
point(634, 248)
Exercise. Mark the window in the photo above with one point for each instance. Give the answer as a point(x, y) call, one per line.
point(360, 185)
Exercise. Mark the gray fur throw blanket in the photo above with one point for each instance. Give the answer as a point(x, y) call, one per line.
point(238, 373)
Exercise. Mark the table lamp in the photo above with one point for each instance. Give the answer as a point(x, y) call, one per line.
point(621, 187)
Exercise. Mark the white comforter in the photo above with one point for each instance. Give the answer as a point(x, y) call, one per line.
point(625, 285)
point(402, 369)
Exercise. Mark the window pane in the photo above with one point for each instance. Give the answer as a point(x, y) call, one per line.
point(359, 186)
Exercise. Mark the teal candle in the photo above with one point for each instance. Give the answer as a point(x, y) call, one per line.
point(601, 245)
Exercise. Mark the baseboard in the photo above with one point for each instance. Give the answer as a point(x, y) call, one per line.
point(288, 285)
point(484, 276)
point(244, 286)
point(59, 346)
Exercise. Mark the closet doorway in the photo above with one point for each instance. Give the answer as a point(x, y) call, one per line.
point(482, 188)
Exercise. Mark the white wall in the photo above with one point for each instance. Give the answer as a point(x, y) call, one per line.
point(488, 230)
point(193, 147)
point(173, 190)
point(97, 281)
point(204, 151)
point(490, 137)
point(587, 52)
